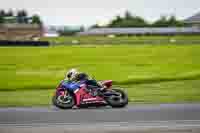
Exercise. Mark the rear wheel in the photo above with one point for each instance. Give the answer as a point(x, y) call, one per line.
point(63, 101)
point(119, 100)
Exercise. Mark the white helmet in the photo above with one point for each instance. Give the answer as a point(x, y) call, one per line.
point(71, 74)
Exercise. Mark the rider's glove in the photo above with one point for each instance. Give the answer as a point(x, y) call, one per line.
point(103, 88)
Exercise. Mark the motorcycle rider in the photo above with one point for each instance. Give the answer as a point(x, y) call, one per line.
point(74, 80)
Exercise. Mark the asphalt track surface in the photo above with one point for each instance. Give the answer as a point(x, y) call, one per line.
point(184, 118)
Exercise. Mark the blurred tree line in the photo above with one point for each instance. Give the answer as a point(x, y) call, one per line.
point(20, 16)
point(130, 20)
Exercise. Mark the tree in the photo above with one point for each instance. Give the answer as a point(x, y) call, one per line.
point(82, 28)
point(2, 15)
point(161, 22)
point(1, 20)
point(22, 16)
point(172, 21)
point(128, 21)
point(24, 13)
point(128, 15)
point(36, 20)
point(95, 26)
point(116, 22)
point(10, 13)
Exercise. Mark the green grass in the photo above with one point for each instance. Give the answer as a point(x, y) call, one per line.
point(163, 92)
point(185, 91)
point(151, 73)
point(26, 98)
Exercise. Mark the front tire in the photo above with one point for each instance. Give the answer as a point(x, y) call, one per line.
point(118, 101)
point(63, 102)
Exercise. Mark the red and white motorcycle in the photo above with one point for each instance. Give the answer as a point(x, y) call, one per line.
point(89, 96)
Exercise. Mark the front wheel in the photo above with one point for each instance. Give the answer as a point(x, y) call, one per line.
point(119, 100)
point(63, 101)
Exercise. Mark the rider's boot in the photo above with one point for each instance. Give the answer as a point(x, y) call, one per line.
point(78, 98)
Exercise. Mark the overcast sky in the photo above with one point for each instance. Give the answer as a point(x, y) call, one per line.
point(88, 12)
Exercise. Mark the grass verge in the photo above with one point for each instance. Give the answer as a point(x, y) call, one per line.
point(151, 73)
point(165, 92)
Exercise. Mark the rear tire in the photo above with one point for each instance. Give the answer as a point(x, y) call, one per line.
point(117, 102)
point(63, 103)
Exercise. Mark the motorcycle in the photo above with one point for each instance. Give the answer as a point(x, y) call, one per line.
point(65, 99)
